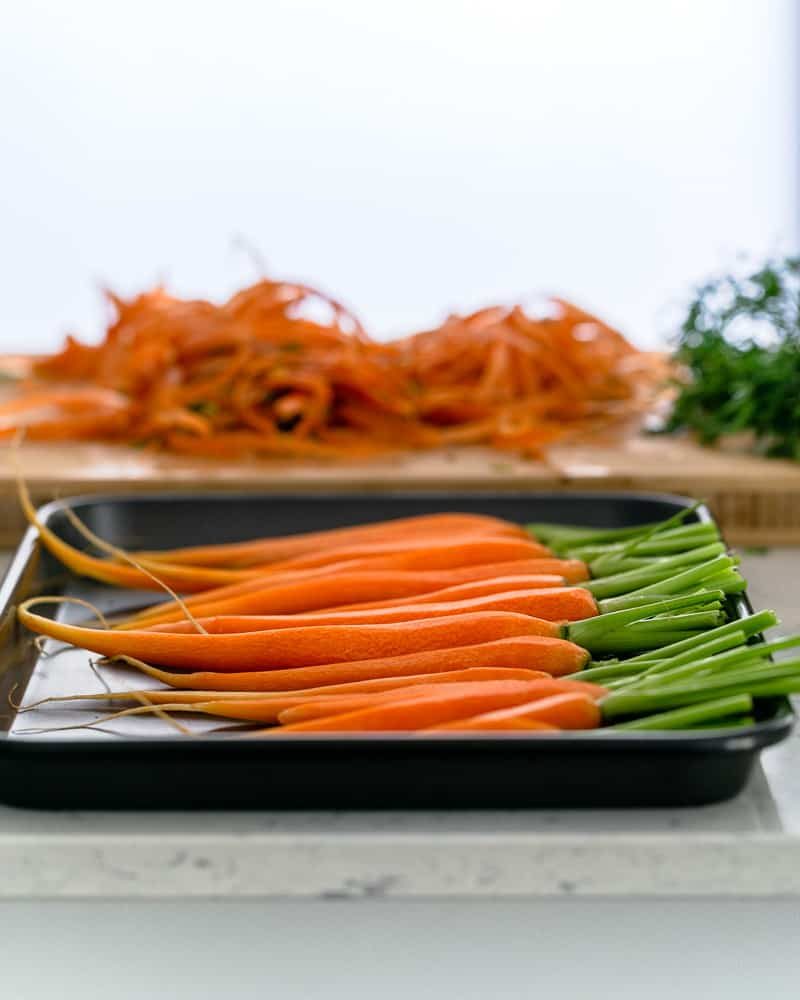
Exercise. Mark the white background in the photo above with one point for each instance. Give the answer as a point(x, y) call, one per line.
point(412, 157)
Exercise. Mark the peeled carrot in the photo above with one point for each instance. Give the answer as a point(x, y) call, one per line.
point(324, 589)
point(450, 550)
point(376, 685)
point(461, 591)
point(291, 708)
point(540, 653)
point(556, 604)
point(434, 707)
point(266, 550)
point(292, 647)
point(181, 577)
point(319, 708)
point(566, 711)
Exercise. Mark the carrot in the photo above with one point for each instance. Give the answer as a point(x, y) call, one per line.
point(461, 591)
point(320, 708)
point(555, 604)
point(564, 711)
point(324, 588)
point(450, 555)
point(539, 653)
point(266, 550)
point(297, 708)
point(450, 550)
point(292, 647)
point(376, 685)
point(180, 577)
point(433, 708)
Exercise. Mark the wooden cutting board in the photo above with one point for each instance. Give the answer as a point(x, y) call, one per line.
point(756, 501)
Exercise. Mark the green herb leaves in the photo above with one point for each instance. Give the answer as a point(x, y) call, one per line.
point(740, 347)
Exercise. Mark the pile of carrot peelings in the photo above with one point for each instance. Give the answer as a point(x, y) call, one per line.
point(451, 622)
point(262, 374)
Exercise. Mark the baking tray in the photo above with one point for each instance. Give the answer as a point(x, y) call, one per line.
point(119, 768)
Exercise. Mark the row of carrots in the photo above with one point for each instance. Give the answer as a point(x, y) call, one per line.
point(441, 622)
point(257, 375)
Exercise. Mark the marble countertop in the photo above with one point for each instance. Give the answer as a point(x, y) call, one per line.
point(749, 846)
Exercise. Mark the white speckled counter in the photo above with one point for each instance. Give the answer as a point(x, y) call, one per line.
point(747, 847)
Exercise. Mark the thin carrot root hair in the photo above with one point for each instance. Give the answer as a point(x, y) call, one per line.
point(144, 709)
point(65, 599)
point(117, 552)
point(108, 572)
point(100, 679)
point(88, 534)
point(15, 705)
point(162, 713)
point(147, 693)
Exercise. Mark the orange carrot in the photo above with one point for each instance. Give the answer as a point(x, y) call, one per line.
point(539, 653)
point(162, 696)
point(451, 550)
point(433, 707)
point(295, 708)
point(461, 591)
point(180, 577)
point(266, 550)
point(566, 711)
point(292, 647)
point(555, 604)
point(323, 588)
point(320, 708)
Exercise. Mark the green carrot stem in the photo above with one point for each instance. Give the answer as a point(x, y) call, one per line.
point(558, 534)
point(625, 641)
point(674, 584)
point(628, 580)
point(676, 520)
point(776, 688)
point(721, 644)
point(750, 625)
point(761, 649)
point(746, 680)
point(681, 533)
point(674, 540)
point(705, 711)
point(606, 566)
point(600, 568)
point(730, 581)
point(733, 658)
point(611, 669)
point(601, 675)
point(695, 619)
point(706, 599)
point(584, 632)
point(650, 577)
point(745, 656)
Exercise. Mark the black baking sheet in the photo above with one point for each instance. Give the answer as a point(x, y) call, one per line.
point(144, 763)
